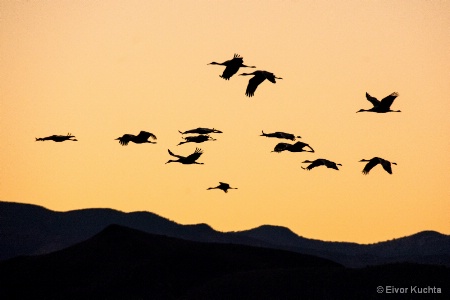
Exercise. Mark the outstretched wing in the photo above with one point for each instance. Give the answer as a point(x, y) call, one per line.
point(281, 147)
point(287, 136)
point(171, 153)
point(270, 76)
point(372, 163)
point(373, 100)
point(330, 164)
point(232, 67)
point(298, 146)
point(145, 135)
point(194, 156)
point(386, 166)
point(125, 139)
point(387, 101)
point(316, 163)
point(253, 84)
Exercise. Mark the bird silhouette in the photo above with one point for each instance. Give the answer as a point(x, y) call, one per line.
point(382, 106)
point(232, 66)
point(281, 135)
point(321, 162)
point(58, 138)
point(196, 139)
point(141, 138)
point(258, 77)
point(201, 130)
point(297, 147)
point(375, 161)
point(190, 159)
point(223, 186)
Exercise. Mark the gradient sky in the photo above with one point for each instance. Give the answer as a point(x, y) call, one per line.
point(99, 69)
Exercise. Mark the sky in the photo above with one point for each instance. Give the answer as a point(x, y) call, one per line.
point(100, 69)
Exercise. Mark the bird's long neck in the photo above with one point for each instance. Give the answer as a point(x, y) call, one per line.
point(215, 63)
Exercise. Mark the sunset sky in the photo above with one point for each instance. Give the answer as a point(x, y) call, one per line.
point(100, 69)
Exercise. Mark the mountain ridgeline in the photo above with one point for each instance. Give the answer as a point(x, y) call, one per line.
point(27, 229)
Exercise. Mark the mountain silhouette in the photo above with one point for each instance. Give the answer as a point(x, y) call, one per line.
point(124, 263)
point(32, 230)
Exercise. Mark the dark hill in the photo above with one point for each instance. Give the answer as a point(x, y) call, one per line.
point(123, 263)
point(30, 230)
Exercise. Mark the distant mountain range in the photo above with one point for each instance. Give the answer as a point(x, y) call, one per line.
point(124, 263)
point(27, 229)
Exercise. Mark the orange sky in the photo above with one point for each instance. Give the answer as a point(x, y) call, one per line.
point(99, 69)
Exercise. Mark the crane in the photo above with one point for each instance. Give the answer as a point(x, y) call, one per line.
point(382, 106)
point(196, 139)
point(375, 161)
point(321, 162)
point(297, 147)
point(141, 138)
point(281, 135)
point(258, 77)
point(222, 186)
point(58, 138)
point(201, 130)
point(187, 160)
point(232, 66)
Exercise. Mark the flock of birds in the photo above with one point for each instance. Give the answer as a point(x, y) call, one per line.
point(203, 134)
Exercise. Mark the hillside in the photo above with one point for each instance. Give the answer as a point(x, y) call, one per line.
point(31, 230)
point(124, 263)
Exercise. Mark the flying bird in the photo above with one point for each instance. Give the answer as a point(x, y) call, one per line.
point(382, 106)
point(201, 130)
point(222, 186)
point(321, 162)
point(281, 135)
point(257, 79)
point(297, 147)
point(232, 66)
point(190, 159)
point(375, 161)
point(141, 138)
point(58, 138)
point(196, 139)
